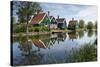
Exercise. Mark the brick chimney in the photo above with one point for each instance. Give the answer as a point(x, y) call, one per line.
point(72, 19)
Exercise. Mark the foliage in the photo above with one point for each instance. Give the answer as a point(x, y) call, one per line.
point(13, 20)
point(17, 28)
point(90, 25)
point(88, 52)
point(81, 24)
point(95, 25)
point(25, 10)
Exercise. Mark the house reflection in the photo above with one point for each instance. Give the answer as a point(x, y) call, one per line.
point(49, 42)
point(72, 35)
point(42, 43)
point(61, 37)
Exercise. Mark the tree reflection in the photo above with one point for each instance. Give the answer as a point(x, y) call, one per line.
point(29, 56)
point(81, 34)
point(25, 45)
point(90, 33)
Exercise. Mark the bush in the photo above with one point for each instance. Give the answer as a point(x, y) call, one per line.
point(19, 28)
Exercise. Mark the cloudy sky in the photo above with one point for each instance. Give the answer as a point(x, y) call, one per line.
point(68, 11)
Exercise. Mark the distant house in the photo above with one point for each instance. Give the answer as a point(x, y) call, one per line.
point(53, 23)
point(40, 19)
point(61, 23)
point(72, 24)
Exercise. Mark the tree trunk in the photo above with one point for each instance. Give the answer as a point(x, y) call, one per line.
point(27, 28)
point(27, 32)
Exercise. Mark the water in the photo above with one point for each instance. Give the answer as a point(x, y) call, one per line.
point(48, 49)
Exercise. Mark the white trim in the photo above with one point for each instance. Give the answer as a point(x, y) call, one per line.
point(44, 17)
point(43, 43)
point(63, 21)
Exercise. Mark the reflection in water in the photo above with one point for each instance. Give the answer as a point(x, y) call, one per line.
point(52, 48)
point(25, 45)
point(81, 34)
point(61, 37)
point(72, 35)
point(26, 51)
point(90, 33)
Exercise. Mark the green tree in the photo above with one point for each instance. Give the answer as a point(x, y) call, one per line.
point(95, 25)
point(25, 10)
point(14, 20)
point(90, 25)
point(81, 24)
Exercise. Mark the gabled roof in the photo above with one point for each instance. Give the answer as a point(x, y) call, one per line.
point(39, 44)
point(50, 17)
point(38, 18)
point(60, 20)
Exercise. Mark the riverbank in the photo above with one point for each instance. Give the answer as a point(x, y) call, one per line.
point(30, 33)
point(48, 32)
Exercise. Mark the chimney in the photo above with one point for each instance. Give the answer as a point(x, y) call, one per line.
point(48, 13)
point(72, 19)
point(58, 17)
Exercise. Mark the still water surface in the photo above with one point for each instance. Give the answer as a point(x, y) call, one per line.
point(48, 49)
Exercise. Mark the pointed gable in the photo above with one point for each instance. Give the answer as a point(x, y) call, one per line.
point(39, 44)
point(38, 18)
point(60, 20)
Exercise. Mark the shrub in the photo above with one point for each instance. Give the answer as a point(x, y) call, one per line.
point(19, 28)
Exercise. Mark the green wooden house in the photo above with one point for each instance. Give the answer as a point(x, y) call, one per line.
point(40, 19)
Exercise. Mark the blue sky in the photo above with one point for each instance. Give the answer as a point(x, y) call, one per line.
point(68, 11)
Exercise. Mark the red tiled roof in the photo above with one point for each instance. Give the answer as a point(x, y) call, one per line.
point(60, 20)
point(37, 18)
point(39, 44)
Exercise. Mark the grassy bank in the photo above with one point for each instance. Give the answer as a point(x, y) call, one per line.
point(86, 53)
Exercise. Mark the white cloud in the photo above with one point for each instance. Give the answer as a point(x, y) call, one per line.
point(90, 13)
point(85, 12)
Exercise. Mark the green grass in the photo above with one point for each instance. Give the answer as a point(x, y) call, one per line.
point(88, 52)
